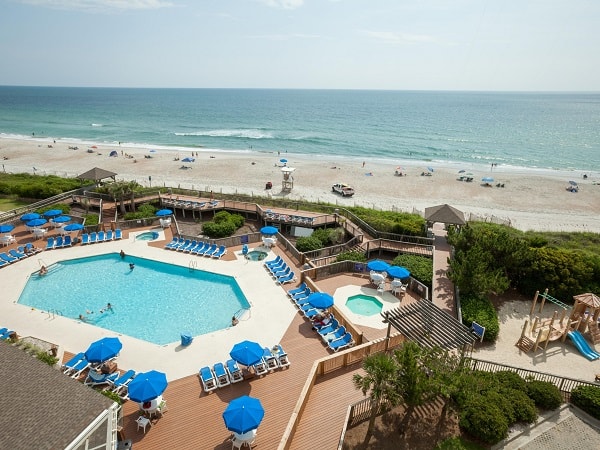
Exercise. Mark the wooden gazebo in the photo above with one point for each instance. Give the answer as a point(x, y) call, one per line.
point(445, 214)
point(96, 174)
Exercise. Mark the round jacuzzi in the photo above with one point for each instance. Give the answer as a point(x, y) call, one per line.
point(364, 305)
point(256, 255)
point(147, 236)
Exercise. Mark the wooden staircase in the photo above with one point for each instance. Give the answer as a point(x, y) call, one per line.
point(594, 331)
point(525, 344)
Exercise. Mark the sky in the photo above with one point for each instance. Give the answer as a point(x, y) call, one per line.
point(482, 45)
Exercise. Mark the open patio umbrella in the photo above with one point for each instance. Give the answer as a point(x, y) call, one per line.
point(147, 386)
point(269, 230)
point(52, 213)
point(103, 349)
point(320, 300)
point(282, 160)
point(188, 159)
point(61, 219)
point(30, 216)
point(73, 227)
point(398, 272)
point(6, 228)
point(36, 222)
point(163, 212)
point(247, 352)
point(487, 179)
point(378, 265)
point(243, 414)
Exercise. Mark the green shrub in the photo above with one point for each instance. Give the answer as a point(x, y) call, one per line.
point(218, 230)
point(503, 402)
point(113, 396)
point(351, 256)
point(46, 357)
point(391, 222)
point(91, 219)
point(511, 380)
point(544, 393)
point(420, 268)
point(457, 443)
point(588, 399)
point(66, 209)
point(483, 420)
point(323, 235)
point(523, 406)
point(308, 243)
point(482, 311)
point(144, 211)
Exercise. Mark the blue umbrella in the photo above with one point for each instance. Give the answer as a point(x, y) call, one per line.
point(243, 414)
point(377, 265)
point(30, 216)
point(73, 227)
point(61, 219)
point(152, 151)
point(269, 230)
point(103, 349)
point(430, 169)
point(247, 352)
point(163, 212)
point(147, 386)
point(188, 159)
point(320, 300)
point(487, 179)
point(283, 160)
point(36, 222)
point(398, 272)
point(6, 228)
point(52, 213)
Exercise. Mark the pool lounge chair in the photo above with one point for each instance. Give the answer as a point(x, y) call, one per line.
point(260, 368)
point(7, 334)
point(67, 242)
point(109, 235)
point(119, 385)
point(341, 343)
point(208, 379)
point(282, 272)
point(66, 367)
point(3, 263)
point(96, 379)
point(274, 262)
point(269, 359)
point(101, 236)
point(208, 250)
point(334, 336)
point(180, 247)
point(188, 246)
point(199, 247)
point(282, 357)
point(331, 327)
point(6, 257)
point(80, 367)
point(234, 371)
point(50, 243)
point(222, 250)
point(15, 254)
point(58, 243)
point(275, 268)
point(311, 312)
point(221, 374)
point(118, 234)
point(29, 247)
point(176, 242)
point(286, 278)
point(93, 237)
point(297, 290)
point(85, 239)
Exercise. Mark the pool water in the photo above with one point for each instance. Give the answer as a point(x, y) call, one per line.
point(256, 255)
point(364, 305)
point(155, 301)
point(147, 236)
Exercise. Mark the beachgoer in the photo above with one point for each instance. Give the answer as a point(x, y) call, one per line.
point(122, 253)
point(363, 164)
point(234, 321)
point(43, 270)
point(131, 266)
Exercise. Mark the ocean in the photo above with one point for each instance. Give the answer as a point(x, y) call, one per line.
point(515, 130)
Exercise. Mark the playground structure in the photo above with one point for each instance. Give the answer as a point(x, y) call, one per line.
point(582, 319)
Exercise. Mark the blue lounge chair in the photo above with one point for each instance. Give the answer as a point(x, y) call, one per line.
point(85, 239)
point(269, 359)
point(109, 235)
point(274, 262)
point(311, 312)
point(6, 335)
point(119, 385)
point(260, 368)
point(173, 244)
point(67, 242)
point(101, 236)
point(234, 371)
point(15, 254)
point(9, 259)
point(66, 367)
point(341, 343)
point(29, 247)
point(118, 234)
point(58, 243)
point(282, 272)
point(50, 243)
point(331, 327)
point(188, 247)
point(208, 250)
point(286, 278)
point(80, 367)
point(3, 330)
point(221, 374)
point(199, 248)
point(297, 290)
point(208, 379)
point(282, 357)
point(3, 263)
point(340, 332)
point(274, 269)
point(219, 252)
point(93, 237)
point(183, 245)
point(96, 379)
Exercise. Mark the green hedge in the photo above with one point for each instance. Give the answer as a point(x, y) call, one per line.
point(421, 268)
point(351, 256)
point(224, 224)
point(482, 311)
point(544, 393)
point(588, 399)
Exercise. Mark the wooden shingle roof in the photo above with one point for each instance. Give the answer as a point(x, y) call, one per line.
point(445, 214)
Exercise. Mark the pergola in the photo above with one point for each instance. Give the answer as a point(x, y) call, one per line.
point(445, 214)
point(428, 326)
point(96, 174)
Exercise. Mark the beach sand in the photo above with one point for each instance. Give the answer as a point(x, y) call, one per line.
point(530, 199)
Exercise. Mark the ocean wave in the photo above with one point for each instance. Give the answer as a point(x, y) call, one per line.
point(97, 125)
point(239, 133)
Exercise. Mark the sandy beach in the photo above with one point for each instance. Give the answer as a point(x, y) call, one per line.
point(530, 199)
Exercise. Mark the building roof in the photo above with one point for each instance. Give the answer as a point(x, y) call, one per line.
point(41, 407)
point(97, 174)
point(589, 299)
point(445, 214)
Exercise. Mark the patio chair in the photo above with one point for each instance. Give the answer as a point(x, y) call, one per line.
point(207, 251)
point(3, 263)
point(277, 267)
point(260, 368)
point(119, 385)
point(189, 245)
point(335, 335)
point(341, 343)
point(274, 262)
point(222, 250)
point(101, 236)
point(96, 379)
point(29, 247)
point(282, 273)
point(286, 278)
point(185, 243)
point(174, 243)
point(93, 237)
point(221, 374)
point(50, 243)
point(16, 254)
point(269, 359)
point(282, 356)
point(80, 367)
point(58, 242)
point(297, 290)
point(142, 422)
point(208, 379)
point(109, 235)
point(199, 248)
point(118, 234)
point(6, 257)
point(66, 367)
point(85, 239)
point(67, 242)
point(234, 371)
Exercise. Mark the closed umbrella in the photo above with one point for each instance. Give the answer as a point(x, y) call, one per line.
point(398, 272)
point(243, 414)
point(378, 265)
point(30, 216)
point(103, 349)
point(73, 227)
point(320, 300)
point(52, 213)
point(247, 353)
point(269, 230)
point(163, 212)
point(147, 386)
point(6, 228)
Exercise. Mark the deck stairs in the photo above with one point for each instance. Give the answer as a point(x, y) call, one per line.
point(594, 331)
point(525, 344)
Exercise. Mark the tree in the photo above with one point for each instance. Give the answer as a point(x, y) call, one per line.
point(379, 380)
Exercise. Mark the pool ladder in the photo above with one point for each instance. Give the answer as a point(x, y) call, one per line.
point(240, 312)
point(193, 265)
point(54, 312)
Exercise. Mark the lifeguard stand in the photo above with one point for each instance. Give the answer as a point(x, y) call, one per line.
point(288, 180)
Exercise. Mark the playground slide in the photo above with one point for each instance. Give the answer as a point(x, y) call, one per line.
point(583, 346)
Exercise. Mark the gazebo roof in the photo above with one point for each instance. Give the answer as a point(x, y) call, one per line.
point(97, 174)
point(429, 326)
point(445, 214)
point(589, 299)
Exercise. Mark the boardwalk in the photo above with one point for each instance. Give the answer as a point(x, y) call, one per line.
point(443, 289)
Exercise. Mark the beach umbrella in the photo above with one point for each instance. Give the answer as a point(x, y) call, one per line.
point(573, 183)
point(430, 169)
point(320, 300)
point(378, 265)
point(462, 171)
point(247, 352)
point(30, 216)
point(163, 212)
point(73, 227)
point(398, 272)
point(282, 160)
point(52, 213)
point(36, 222)
point(6, 228)
point(269, 230)
point(103, 349)
point(152, 151)
point(487, 179)
point(61, 219)
point(243, 414)
point(147, 386)
point(188, 159)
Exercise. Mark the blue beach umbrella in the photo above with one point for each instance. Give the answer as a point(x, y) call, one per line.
point(61, 219)
point(487, 179)
point(6, 228)
point(430, 169)
point(103, 349)
point(283, 160)
point(163, 212)
point(147, 386)
point(73, 227)
point(269, 230)
point(398, 272)
point(188, 159)
point(247, 352)
point(378, 265)
point(152, 151)
point(36, 222)
point(30, 216)
point(52, 213)
point(243, 414)
point(320, 300)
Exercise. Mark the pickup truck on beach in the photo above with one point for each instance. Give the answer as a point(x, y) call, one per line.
point(343, 189)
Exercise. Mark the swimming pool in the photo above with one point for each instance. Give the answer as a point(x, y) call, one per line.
point(364, 305)
point(155, 301)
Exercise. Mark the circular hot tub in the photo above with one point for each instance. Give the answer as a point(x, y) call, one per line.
point(364, 305)
point(147, 236)
point(256, 255)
